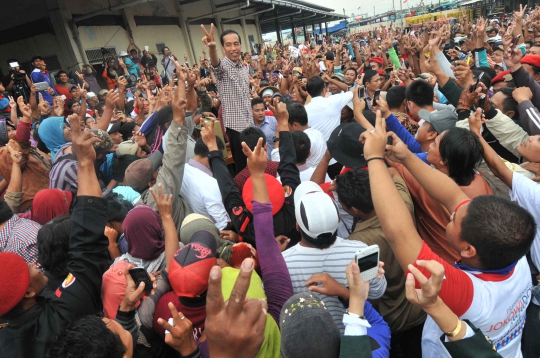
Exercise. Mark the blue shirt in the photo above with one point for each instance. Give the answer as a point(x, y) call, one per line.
point(38, 76)
point(392, 124)
point(268, 127)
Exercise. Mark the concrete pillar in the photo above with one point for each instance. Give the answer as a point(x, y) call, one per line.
point(305, 32)
point(245, 40)
point(326, 27)
point(186, 33)
point(278, 31)
point(292, 32)
point(258, 29)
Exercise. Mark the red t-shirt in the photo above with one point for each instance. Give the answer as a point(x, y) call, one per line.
point(197, 315)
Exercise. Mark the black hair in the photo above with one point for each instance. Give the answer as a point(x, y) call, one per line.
point(352, 69)
point(486, 78)
point(202, 150)
point(315, 86)
point(60, 72)
point(256, 101)
point(5, 211)
point(117, 207)
point(88, 334)
point(329, 55)
point(120, 164)
point(53, 245)
point(536, 69)
point(126, 130)
point(133, 49)
point(501, 231)
point(462, 151)
point(302, 146)
point(395, 96)
point(36, 58)
point(297, 113)
point(509, 103)
point(323, 241)
point(71, 102)
point(228, 32)
point(368, 76)
point(10, 60)
point(100, 108)
point(354, 191)
point(420, 93)
point(529, 42)
point(251, 136)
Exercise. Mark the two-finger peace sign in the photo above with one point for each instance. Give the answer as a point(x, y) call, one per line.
point(208, 39)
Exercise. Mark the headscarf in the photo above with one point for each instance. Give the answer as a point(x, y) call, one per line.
point(51, 132)
point(144, 234)
point(50, 203)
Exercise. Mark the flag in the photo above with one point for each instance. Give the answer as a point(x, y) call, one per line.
point(404, 1)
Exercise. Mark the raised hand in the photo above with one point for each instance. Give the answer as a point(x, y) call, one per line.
point(208, 39)
point(475, 121)
point(163, 201)
point(12, 103)
point(58, 107)
point(83, 92)
point(83, 142)
point(133, 293)
point(358, 289)
point(139, 138)
point(179, 335)
point(26, 109)
point(426, 297)
point(279, 109)
point(111, 98)
point(179, 103)
point(256, 159)
point(16, 156)
point(325, 284)
point(44, 107)
point(235, 329)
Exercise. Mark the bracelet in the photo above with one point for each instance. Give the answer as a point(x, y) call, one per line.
point(375, 158)
point(455, 331)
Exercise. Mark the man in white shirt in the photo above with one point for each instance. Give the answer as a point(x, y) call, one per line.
point(298, 121)
point(320, 249)
point(323, 113)
point(200, 189)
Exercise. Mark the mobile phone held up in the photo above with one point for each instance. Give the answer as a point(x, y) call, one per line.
point(376, 97)
point(361, 92)
point(140, 275)
point(41, 86)
point(515, 41)
point(368, 262)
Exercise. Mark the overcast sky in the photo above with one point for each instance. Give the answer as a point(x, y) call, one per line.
point(351, 7)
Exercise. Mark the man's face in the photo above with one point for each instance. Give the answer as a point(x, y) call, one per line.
point(375, 83)
point(166, 51)
point(38, 280)
point(534, 50)
point(112, 64)
point(433, 153)
point(492, 33)
point(116, 137)
point(354, 65)
point(346, 115)
point(63, 78)
point(530, 149)
point(375, 66)
point(152, 84)
point(258, 112)
point(267, 98)
point(497, 56)
point(92, 102)
point(333, 88)
point(530, 70)
point(232, 46)
point(133, 53)
point(75, 93)
point(424, 134)
point(75, 108)
point(39, 63)
point(349, 77)
point(497, 87)
point(453, 229)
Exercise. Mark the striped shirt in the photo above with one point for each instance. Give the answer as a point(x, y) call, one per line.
point(303, 262)
point(233, 86)
point(63, 173)
point(19, 236)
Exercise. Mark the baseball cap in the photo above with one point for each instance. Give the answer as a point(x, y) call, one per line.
point(114, 127)
point(90, 95)
point(440, 120)
point(105, 144)
point(14, 280)
point(128, 147)
point(191, 265)
point(103, 92)
point(140, 172)
point(122, 54)
point(276, 192)
point(345, 146)
point(316, 213)
point(196, 222)
point(72, 87)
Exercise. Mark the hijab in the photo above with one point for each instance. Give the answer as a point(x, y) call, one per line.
point(51, 132)
point(143, 233)
point(50, 203)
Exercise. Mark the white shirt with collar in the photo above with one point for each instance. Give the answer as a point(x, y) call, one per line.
point(201, 191)
point(324, 114)
point(317, 149)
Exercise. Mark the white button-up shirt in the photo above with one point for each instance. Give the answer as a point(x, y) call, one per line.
point(324, 114)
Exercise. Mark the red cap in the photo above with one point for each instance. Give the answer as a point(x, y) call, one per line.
point(500, 77)
point(276, 192)
point(378, 60)
point(533, 60)
point(14, 281)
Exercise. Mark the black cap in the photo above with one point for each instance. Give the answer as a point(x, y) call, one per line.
point(345, 147)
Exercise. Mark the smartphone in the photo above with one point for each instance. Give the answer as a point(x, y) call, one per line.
point(376, 97)
point(361, 92)
point(41, 86)
point(396, 83)
point(389, 141)
point(515, 41)
point(477, 81)
point(140, 275)
point(146, 48)
point(481, 102)
point(13, 64)
point(368, 262)
point(403, 63)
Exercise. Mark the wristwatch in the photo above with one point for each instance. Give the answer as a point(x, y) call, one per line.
point(275, 139)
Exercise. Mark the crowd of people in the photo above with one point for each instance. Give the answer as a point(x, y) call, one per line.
point(221, 209)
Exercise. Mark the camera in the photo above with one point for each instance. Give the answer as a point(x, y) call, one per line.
point(17, 75)
point(105, 51)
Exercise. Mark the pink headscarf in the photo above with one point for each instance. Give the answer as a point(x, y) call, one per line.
point(143, 233)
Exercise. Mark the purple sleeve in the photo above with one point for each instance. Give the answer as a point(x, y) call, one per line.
point(275, 275)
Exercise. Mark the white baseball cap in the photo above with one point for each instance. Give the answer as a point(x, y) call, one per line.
point(316, 212)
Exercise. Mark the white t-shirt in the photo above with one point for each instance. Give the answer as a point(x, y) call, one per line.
point(305, 173)
point(494, 302)
point(302, 262)
point(324, 114)
point(317, 149)
point(526, 193)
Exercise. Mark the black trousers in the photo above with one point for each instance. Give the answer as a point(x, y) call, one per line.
point(407, 344)
point(240, 159)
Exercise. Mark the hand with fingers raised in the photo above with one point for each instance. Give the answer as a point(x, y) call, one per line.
point(208, 39)
point(236, 328)
point(179, 335)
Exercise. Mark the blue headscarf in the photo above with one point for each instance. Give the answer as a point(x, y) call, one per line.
point(51, 132)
